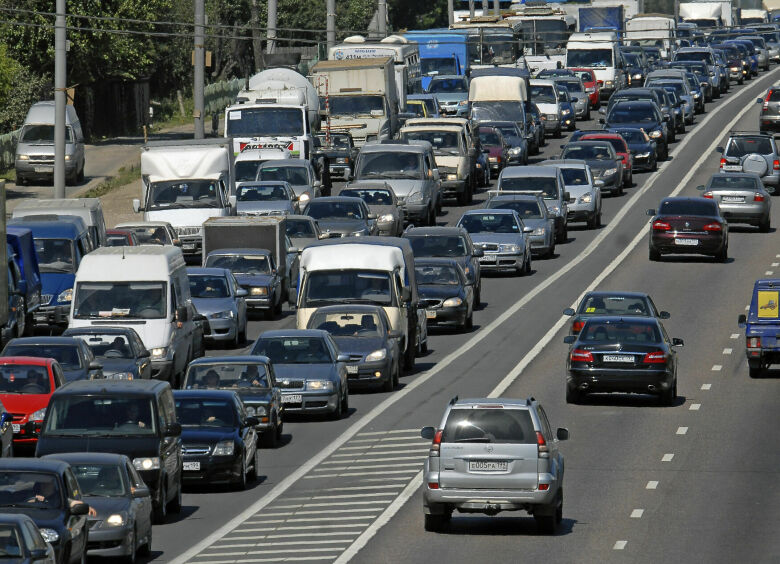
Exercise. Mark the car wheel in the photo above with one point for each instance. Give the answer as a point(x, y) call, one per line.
point(558, 133)
point(242, 335)
point(545, 524)
point(240, 484)
point(80, 175)
point(654, 255)
point(175, 505)
point(254, 472)
point(551, 252)
point(723, 255)
point(270, 438)
point(431, 217)
point(478, 296)
point(470, 321)
point(654, 166)
point(559, 509)
point(436, 523)
point(130, 558)
point(389, 384)
point(463, 197)
point(766, 225)
point(669, 396)
point(527, 264)
point(146, 549)
point(279, 429)
point(409, 356)
point(161, 509)
point(755, 369)
point(573, 395)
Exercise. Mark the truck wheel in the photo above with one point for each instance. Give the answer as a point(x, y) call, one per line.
point(463, 197)
point(756, 370)
point(409, 355)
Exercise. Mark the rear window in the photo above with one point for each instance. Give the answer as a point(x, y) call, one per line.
point(596, 331)
point(734, 182)
point(489, 425)
point(614, 305)
point(741, 146)
point(688, 207)
point(774, 96)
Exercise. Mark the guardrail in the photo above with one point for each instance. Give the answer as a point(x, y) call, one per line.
point(8, 149)
point(220, 95)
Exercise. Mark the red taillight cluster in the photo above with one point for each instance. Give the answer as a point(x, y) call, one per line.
point(655, 357)
point(707, 195)
point(758, 197)
point(713, 227)
point(541, 446)
point(577, 326)
point(776, 164)
point(659, 225)
point(579, 355)
point(766, 100)
point(436, 444)
point(722, 162)
point(754, 342)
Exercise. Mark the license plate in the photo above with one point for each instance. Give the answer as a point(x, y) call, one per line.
point(430, 314)
point(686, 242)
point(488, 465)
point(487, 258)
point(192, 466)
point(44, 169)
point(352, 369)
point(296, 398)
point(16, 427)
point(732, 168)
point(188, 246)
point(618, 358)
point(735, 199)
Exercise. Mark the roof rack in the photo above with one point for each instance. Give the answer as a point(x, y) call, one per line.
point(522, 192)
point(740, 132)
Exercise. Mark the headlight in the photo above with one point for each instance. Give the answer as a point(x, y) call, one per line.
point(609, 172)
point(414, 198)
point(23, 157)
point(656, 134)
point(67, 157)
point(503, 249)
point(637, 77)
point(735, 69)
point(258, 291)
point(324, 385)
point(66, 296)
point(259, 411)
point(539, 231)
point(119, 376)
point(38, 415)
point(342, 160)
point(566, 112)
point(116, 520)
point(555, 209)
point(221, 315)
point(696, 95)
point(609, 83)
point(452, 177)
point(150, 463)
point(644, 155)
point(250, 410)
point(380, 354)
point(455, 302)
point(479, 165)
point(386, 217)
point(224, 448)
point(360, 233)
point(49, 535)
point(304, 197)
point(586, 198)
point(160, 352)
point(515, 150)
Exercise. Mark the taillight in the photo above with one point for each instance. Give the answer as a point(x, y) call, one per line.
point(436, 444)
point(758, 197)
point(661, 226)
point(713, 227)
point(766, 100)
point(707, 195)
point(776, 164)
point(656, 357)
point(541, 446)
point(754, 342)
point(577, 326)
point(722, 162)
point(600, 82)
point(579, 355)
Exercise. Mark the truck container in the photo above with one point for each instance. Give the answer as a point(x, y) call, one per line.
point(708, 14)
point(749, 16)
point(440, 53)
point(656, 30)
point(247, 232)
point(601, 18)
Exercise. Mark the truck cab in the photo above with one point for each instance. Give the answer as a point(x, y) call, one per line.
point(762, 326)
point(22, 250)
point(600, 52)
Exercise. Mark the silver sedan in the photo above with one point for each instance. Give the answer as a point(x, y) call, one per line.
point(584, 195)
point(741, 197)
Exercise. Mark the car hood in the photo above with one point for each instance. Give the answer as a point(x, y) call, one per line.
point(450, 161)
point(188, 217)
point(448, 97)
point(574, 191)
point(107, 506)
point(252, 395)
point(54, 283)
point(359, 345)
point(537, 223)
point(494, 150)
point(254, 279)
point(72, 375)
point(633, 125)
point(131, 446)
point(335, 153)
point(301, 242)
point(24, 403)
point(404, 186)
point(206, 306)
point(640, 147)
point(342, 225)
point(271, 206)
point(438, 291)
point(547, 107)
point(600, 165)
point(511, 238)
point(383, 210)
point(304, 371)
point(206, 435)
point(48, 518)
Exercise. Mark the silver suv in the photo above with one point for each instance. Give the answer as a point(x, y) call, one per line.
point(752, 152)
point(493, 455)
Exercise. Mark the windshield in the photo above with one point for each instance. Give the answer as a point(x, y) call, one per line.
point(346, 105)
point(741, 146)
point(10, 543)
point(100, 480)
point(614, 305)
point(443, 142)
point(107, 345)
point(542, 93)
point(262, 193)
point(337, 141)
point(618, 144)
point(188, 194)
point(24, 379)
point(438, 275)
point(208, 286)
point(151, 235)
point(247, 170)
point(633, 135)
point(489, 137)
point(587, 152)
point(526, 209)
point(334, 210)
point(439, 246)
point(271, 121)
point(100, 415)
point(299, 228)
point(438, 65)
point(200, 412)
point(489, 426)
point(55, 255)
point(571, 85)
point(545, 184)
point(66, 355)
point(632, 113)
point(294, 350)
point(42, 133)
point(688, 207)
point(142, 300)
point(347, 324)
point(489, 223)
point(676, 87)
point(589, 58)
point(29, 489)
point(494, 49)
point(227, 375)
point(693, 56)
point(542, 34)
point(575, 176)
point(240, 264)
point(293, 175)
point(497, 111)
point(585, 76)
point(371, 196)
point(347, 286)
point(723, 182)
point(447, 85)
point(391, 164)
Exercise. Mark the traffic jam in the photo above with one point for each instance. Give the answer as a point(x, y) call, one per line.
point(305, 267)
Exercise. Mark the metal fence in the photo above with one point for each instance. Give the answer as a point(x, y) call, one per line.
point(8, 149)
point(220, 95)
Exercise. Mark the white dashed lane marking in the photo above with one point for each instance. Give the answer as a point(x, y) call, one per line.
point(695, 407)
point(637, 513)
point(682, 430)
point(735, 335)
point(728, 351)
point(652, 485)
point(716, 367)
point(620, 545)
point(768, 273)
point(667, 457)
point(706, 386)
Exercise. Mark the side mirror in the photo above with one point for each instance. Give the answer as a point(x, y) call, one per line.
point(232, 201)
point(241, 293)
point(182, 314)
point(566, 196)
point(395, 334)
point(137, 205)
point(562, 434)
point(372, 216)
point(677, 342)
point(95, 365)
point(293, 250)
point(173, 430)
point(568, 311)
point(428, 433)
point(144, 354)
point(316, 184)
point(342, 358)
point(406, 295)
point(759, 100)
point(569, 339)
point(141, 491)
point(199, 316)
point(79, 509)
point(177, 242)
point(664, 315)
point(741, 321)
point(478, 253)
point(527, 229)
point(251, 421)
point(700, 188)
point(38, 554)
point(651, 212)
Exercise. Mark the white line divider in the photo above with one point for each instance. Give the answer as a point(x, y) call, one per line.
point(467, 347)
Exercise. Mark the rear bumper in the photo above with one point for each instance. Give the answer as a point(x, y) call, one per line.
point(706, 245)
point(615, 380)
point(503, 261)
point(485, 501)
point(54, 316)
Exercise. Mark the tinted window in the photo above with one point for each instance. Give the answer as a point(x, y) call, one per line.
point(371, 196)
point(24, 379)
point(197, 412)
point(262, 193)
point(151, 235)
point(741, 146)
point(30, 489)
point(100, 415)
point(446, 275)
point(348, 324)
point(489, 223)
point(575, 176)
point(293, 175)
point(101, 480)
point(596, 331)
point(108, 345)
point(489, 426)
point(440, 246)
point(733, 182)
point(334, 210)
point(632, 113)
point(66, 355)
point(545, 184)
point(614, 305)
point(587, 152)
point(300, 228)
point(206, 286)
point(294, 350)
point(526, 209)
point(241, 264)
point(688, 207)
point(227, 375)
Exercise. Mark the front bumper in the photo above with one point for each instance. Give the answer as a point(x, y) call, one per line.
point(500, 261)
point(221, 329)
point(108, 542)
point(451, 188)
point(369, 374)
point(257, 302)
point(52, 315)
point(213, 469)
point(447, 315)
point(609, 183)
point(311, 402)
point(540, 244)
point(43, 170)
point(581, 212)
point(416, 212)
point(343, 170)
point(191, 246)
point(642, 163)
point(162, 369)
point(619, 380)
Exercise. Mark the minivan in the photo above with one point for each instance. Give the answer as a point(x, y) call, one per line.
point(88, 209)
point(35, 149)
point(136, 418)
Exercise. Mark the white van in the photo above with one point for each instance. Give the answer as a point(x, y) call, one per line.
point(88, 209)
point(35, 149)
point(599, 51)
point(145, 288)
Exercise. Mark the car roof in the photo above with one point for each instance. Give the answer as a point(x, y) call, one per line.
point(15, 518)
point(752, 175)
point(493, 211)
point(31, 360)
point(299, 217)
point(103, 329)
point(750, 134)
point(351, 308)
point(128, 224)
point(239, 251)
point(284, 162)
point(249, 183)
point(395, 147)
point(508, 402)
point(608, 294)
point(88, 457)
point(616, 319)
point(215, 394)
point(43, 341)
point(432, 231)
point(337, 199)
point(293, 333)
point(202, 270)
point(112, 387)
point(571, 163)
point(529, 170)
point(246, 358)
point(587, 143)
point(499, 197)
point(34, 464)
point(435, 260)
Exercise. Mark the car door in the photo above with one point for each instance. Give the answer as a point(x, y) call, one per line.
point(170, 450)
point(141, 505)
point(556, 459)
point(240, 301)
point(77, 524)
point(142, 357)
point(247, 432)
point(276, 393)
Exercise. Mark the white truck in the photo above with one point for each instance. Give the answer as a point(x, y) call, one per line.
point(749, 16)
point(708, 14)
point(185, 183)
point(278, 109)
point(359, 95)
point(503, 96)
point(656, 30)
point(599, 51)
point(545, 30)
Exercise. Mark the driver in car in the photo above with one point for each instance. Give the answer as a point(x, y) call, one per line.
point(252, 376)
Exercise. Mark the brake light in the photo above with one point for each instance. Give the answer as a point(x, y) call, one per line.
point(754, 342)
point(436, 444)
point(656, 357)
point(544, 487)
point(577, 326)
point(579, 355)
point(433, 485)
point(766, 100)
point(707, 195)
point(541, 446)
point(776, 164)
point(722, 162)
point(661, 226)
point(713, 227)
point(758, 197)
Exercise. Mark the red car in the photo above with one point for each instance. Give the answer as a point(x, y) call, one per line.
point(622, 150)
point(120, 238)
point(588, 78)
point(493, 142)
point(26, 384)
point(688, 226)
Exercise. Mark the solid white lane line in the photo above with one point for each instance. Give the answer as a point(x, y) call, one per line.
point(695, 407)
point(620, 545)
point(735, 335)
point(391, 432)
point(768, 273)
point(346, 496)
point(637, 513)
point(716, 367)
point(652, 485)
point(747, 307)
point(361, 459)
point(706, 386)
point(667, 457)
point(728, 351)
point(682, 430)
point(288, 535)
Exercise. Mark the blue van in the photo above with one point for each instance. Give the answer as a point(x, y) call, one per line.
point(762, 326)
point(60, 244)
point(21, 248)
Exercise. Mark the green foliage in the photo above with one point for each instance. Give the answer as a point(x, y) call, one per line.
point(19, 88)
point(413, 14)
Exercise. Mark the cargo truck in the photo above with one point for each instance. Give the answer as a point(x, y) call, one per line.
point(707, 15)
point(602, 18)
point(655, 30)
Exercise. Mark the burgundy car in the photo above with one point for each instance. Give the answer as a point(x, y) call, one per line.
point(493, 142)
point(688, 226)
point(120, 238)
point(621, 148)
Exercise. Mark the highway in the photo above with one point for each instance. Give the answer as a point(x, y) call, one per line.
point(696, 481)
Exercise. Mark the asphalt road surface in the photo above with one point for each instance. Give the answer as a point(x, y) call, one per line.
point(696, 482)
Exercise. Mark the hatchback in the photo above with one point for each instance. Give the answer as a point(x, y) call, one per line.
point(752, 152)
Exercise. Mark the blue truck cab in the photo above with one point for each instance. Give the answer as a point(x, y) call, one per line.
point(762, 326)
point(442, 51)
point(21, 249)
point(60, 244)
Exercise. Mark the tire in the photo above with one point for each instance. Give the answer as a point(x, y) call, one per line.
point(435, 523)
point(278, 308)
point(80, 175)
point(551, 252)
point(160, 512)
point(270, 438)
point(389, 385)
point(478, 295)
point(654, 255)
point(527, 269)
point(755, 370)
point(175, 505)
point(766, 225)
point(545, 524)
point(409, 356)
point(423, 348)
point(463, 197)
point(241, 483)
point(242, 335)
point(558, 133)
point(573, 396)
point(130, 558)
point(670, 396)
point(254, 472)
point(654, 166)
point(723, 255)
point(593, 221)
point(431, 221)
point(146, 549)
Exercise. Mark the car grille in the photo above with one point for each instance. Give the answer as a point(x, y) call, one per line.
point(16, 417)
point(45, 159)
point(355, 357)
point(265, 212)
point(195, 450)
point(552, 116)
point(489, 247)
point(187, 231)
point(429, 303)
point(46, 298)
point(290, 384)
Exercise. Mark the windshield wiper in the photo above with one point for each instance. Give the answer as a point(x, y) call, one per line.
point(377, 174)
point(25, 505)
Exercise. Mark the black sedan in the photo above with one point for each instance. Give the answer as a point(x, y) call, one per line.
point(623, 304)
point(617, 354)
point(642, 114)
point(445, 292)
point(643, 149)
point(363, 333)
point(122, 522)
point(219, 442)
point(21, 541)
point(688, 226)
point(47, 492)
point(76, 358)
point(119, 349)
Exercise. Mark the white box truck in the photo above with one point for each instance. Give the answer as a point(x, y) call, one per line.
point(656, 30)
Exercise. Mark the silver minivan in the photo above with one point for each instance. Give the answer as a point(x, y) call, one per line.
point(35, 149)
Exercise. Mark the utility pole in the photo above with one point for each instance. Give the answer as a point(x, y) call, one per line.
point(382, 16)
point(496, 9)
point(200, 68)
point(257, 43)
point(330, 18)
point(60, 94)
point(271, 45)
point(471, 9)
point(485, 7)
point(451, 11)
